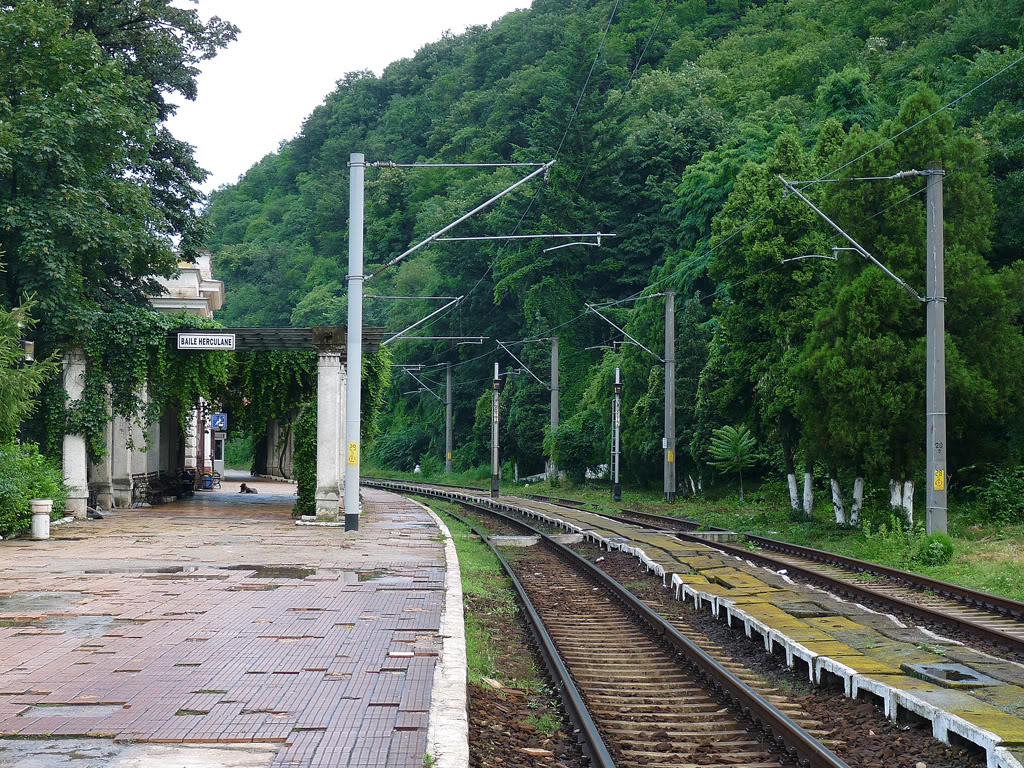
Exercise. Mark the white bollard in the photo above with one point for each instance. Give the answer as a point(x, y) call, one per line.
point(41, 509)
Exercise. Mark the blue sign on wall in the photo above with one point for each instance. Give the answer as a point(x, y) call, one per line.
point(219, 421)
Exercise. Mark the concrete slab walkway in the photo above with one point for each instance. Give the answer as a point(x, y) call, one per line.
point(216, 632)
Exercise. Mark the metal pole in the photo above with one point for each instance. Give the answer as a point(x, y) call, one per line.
point(935, 405)
point(553, 471)
point(357, 168)
point(494, 434)
point(670, 397)
point(616, 435)
point(448, 424)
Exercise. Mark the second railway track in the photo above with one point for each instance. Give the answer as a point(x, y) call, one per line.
point(995, 619)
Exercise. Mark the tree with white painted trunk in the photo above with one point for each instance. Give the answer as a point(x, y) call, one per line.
point(862, 372)
point(770, 311)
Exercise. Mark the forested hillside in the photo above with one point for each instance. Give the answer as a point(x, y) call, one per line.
point(670, 124)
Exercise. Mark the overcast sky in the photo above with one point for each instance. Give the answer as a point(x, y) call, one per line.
point(287, 58)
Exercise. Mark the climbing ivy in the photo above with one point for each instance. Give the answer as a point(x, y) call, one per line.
point(376, 382)
point(304, 460)
point(127, 353)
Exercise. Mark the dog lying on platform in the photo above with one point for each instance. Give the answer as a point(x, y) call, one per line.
point(246, 489)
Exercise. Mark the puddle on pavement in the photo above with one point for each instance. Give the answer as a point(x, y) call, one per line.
point(72, 710)
point(274, 571)
point(79, 626)
point(371, 575)
point(38, 602)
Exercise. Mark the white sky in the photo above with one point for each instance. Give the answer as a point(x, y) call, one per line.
point(288, 57)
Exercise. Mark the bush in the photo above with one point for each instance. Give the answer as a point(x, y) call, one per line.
point(431, 464)
point(304, 460)
point(578, 445)
point(27, 474)
point(1001, 495)
point(400, 449)
point(238, 452)
point(936, 549)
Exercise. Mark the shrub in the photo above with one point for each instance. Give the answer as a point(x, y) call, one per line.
point(304, 460)
point(936, 549)
point(1001, 495)
point(238, 452)
point(400, 449)
point(578, 445)
point(27, 474)
point(431, 464)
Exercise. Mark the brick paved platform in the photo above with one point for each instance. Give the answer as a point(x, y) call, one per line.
point(219, 622)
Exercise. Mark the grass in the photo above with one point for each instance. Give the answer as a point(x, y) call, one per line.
point(986, 557)
point(491, 603)
point(474, 478)
point(545, 723)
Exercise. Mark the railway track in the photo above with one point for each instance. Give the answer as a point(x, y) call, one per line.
point(995, 620)
point(638, 690)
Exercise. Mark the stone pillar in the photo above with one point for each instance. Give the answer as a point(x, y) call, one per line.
point(74, 445)
point(191, 440)
point(330, 427)
point(121, 461)
point(102, 470)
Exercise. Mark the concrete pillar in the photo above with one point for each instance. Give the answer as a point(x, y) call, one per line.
point(342, 427)
point(102, 470)
point(121, 463)
point(330, 427)
point(74, 445)
point(191, 440)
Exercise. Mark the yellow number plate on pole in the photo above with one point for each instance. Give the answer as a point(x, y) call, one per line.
point(940, 480)
point(353, 454)
point(671, 456)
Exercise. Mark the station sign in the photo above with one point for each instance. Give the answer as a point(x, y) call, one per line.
point(206, 341)
point(219, 421)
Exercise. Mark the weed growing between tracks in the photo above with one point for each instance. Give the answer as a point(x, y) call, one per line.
point(526, 712)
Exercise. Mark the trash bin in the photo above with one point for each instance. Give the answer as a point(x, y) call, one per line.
point(41, 509)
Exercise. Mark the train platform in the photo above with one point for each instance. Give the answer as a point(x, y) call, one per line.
point(216, 632)
point(972, 696)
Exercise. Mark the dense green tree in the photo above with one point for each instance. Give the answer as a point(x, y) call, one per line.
point(20, 384)
point(676, 150)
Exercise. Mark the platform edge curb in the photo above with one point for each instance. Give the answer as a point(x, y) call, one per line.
point(448, 723)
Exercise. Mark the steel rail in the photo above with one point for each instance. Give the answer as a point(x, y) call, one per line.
point(994, 603)
point(760, 710)
point(575, 706)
